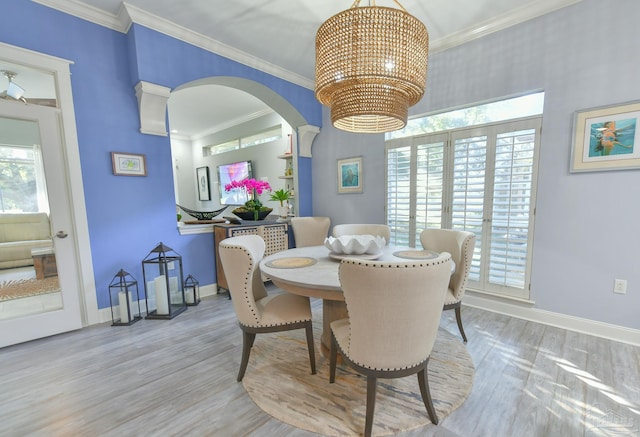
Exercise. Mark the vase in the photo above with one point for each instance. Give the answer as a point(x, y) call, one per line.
point(249, 215)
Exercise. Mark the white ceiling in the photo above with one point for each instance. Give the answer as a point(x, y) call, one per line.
point(278, 36)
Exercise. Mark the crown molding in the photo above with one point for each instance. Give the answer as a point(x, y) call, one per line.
point(90, 13)
point(525, 13)
point(231, 123)
point(129, 14)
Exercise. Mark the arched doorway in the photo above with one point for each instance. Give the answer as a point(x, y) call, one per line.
point(200, 108)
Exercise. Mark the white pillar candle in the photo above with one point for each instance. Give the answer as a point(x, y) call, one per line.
point(173, 284)
point(162, 303)
point(122, 303)
point(189, 292)
point(174, 291)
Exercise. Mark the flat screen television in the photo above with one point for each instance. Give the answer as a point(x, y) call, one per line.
point(233, 172)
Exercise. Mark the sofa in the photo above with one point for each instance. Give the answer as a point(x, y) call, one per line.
point(21, 232)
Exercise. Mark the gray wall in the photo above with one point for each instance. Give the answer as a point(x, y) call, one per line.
point(586, 231)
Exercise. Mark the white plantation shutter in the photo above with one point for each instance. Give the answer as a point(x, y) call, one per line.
point(429, 185)
point(414, 186)
point(480, 180)
point(511, 209)
point(399, 193)
point(468, 189)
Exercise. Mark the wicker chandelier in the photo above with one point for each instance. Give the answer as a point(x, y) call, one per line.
point(371, 66)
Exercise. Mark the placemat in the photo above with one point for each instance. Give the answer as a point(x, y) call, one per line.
point(416, 254)
point(291, 263)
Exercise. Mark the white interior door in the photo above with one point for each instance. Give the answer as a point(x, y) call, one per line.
point(43, 124)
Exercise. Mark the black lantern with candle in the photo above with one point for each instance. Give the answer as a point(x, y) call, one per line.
point(163, 283)
point(192, 291)
point(124, 299)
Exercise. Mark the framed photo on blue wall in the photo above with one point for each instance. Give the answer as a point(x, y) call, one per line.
point(128, 164)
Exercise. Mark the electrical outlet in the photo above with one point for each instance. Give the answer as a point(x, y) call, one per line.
point(620, 286)
point(171, 265)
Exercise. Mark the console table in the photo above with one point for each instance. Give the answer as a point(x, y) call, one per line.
point(274, 234)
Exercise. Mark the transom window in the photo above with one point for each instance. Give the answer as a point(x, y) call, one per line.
point(266, 136)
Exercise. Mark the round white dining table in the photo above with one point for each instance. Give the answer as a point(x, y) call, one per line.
point(313, 271)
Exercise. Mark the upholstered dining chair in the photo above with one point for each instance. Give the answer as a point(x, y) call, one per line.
point(460, 245)
point(394, 310)
point(362, 229)
point(310, 231)
point(258, 312)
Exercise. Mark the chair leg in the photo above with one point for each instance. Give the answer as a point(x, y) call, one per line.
point(423, 381)
point(459, 320)
point(371, 404)
point(333, 359)
point(247, 343)
point(310, 346)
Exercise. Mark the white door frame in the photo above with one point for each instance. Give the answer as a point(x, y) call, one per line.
point(61, 71)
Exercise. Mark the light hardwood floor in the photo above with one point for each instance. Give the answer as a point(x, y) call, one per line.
point(177, 377)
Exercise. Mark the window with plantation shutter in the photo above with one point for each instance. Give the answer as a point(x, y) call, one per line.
point(399, 193)
point(480, 179)
point(429, 184)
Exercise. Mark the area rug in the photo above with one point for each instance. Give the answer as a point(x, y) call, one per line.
point(19, 288)
point(279, 381)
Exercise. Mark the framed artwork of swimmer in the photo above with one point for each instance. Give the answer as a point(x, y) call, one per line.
point(350, 175)
point(606, 138)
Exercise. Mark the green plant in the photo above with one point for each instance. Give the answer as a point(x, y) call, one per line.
point(281, 196)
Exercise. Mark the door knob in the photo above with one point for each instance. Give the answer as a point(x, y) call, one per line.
point(62, 234)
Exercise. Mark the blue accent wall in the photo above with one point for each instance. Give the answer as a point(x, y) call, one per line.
point(305, 196)
point(128, 216)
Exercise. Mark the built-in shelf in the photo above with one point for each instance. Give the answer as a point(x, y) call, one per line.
point(289, 175)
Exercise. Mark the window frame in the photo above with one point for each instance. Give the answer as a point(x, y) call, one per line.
point(481, 255)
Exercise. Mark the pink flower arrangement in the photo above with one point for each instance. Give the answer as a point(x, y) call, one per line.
point(253, 188)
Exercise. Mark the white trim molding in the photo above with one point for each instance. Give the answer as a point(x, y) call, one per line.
point(152, 105)
point(184, 229)
point(128, 14)
point(526, 312)
point(306, 135)
point(105, 313)
point(527, 12)
point(61, 68)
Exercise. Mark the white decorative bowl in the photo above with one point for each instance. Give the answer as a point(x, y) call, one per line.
point(355, 244)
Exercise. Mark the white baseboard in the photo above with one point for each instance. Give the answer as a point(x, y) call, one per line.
point(571, 323)
point(500, 306)
point(104, 314)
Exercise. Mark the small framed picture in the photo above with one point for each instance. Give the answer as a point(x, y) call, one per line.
point(202, 176)
point(606, 138)
point(350, 175)
point(128, 164)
